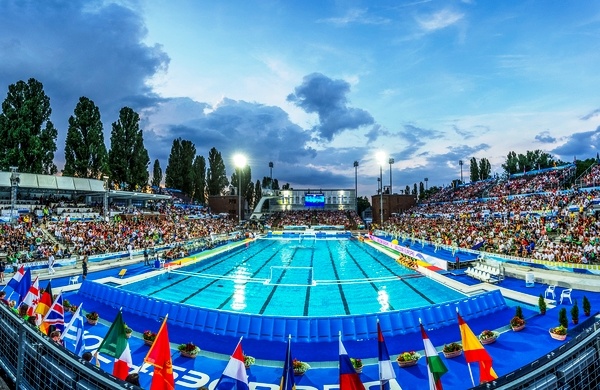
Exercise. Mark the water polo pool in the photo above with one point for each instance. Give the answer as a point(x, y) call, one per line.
point(297, 278)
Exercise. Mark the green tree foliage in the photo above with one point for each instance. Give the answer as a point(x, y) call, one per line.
point(363, 204)
point(407, 190)
point(216, 178)
point(485, 169)
point(128, 158)
point(247, 188)
point(421, 190)
point(156, 174)
point(28, 136)
point(531, 160)
point(85, 152)
point(474, 170)
point(199, 180)
point(257, 194)
point(179, 173)
point(414, 190)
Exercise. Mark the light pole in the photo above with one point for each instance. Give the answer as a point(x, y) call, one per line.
point(14, 183)
point(356, 185)
point(240, 162)
point(106, 217)
point(381, 160)
point(391, 161)
point(460, 162)
point(271, 182)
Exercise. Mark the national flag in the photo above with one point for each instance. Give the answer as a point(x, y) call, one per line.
point(287, 379)
point(32, 297)
point(386, 370)
point(55, 317)
point(20, 282)
point(159, 356)
point(234, 376)
point(435, 365)
point(115, 344)
point(474, 352)
point(45, 301)
point(73, 333)
point(349, 379)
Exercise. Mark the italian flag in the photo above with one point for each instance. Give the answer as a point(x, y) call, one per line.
point(435, 365)
point(115, 344)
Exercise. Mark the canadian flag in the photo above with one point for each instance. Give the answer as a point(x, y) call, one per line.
point(33, 297)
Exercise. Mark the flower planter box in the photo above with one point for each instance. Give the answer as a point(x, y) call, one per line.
point(407, 363)
point(148, 342)
point(189, 355)
point(358, 370)
point(557, 336)
point(298, 373)
point(92, 322)
point(489, 340)
point(518, 328)
point(450, 355)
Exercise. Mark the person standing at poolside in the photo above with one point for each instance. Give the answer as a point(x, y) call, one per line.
point(84, 266)
point(51, 263)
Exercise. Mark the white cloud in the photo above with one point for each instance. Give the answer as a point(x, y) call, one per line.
point(439, 20)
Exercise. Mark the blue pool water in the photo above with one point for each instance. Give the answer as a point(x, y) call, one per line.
point(298, 278)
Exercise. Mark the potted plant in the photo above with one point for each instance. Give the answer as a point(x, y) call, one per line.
point(357, 364)
point(542, 304)
point(517, 323)
point(249, 360)
point(128, 331)
point(149, 337)
point(562, 318)
point(190, 350)
point(73, 308)
point(452, 350)
point(488, 336)
point(66, 305)
point(407, 359)
point(587, 308)
point(92, 317)
point(575, 313)
point(558, 333)
point(299, 366)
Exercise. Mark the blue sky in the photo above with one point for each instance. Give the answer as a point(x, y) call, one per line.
point(315, 85)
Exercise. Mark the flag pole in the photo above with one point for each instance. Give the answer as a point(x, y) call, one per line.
point(471, 373)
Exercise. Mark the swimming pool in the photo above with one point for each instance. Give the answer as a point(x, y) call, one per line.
point(298, 278)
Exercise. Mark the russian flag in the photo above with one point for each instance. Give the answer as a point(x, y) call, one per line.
point(349, 379)
point(234, 376)
point(386, 370)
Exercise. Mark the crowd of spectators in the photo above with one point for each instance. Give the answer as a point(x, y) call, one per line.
point(549, 226)
point(348, 218)
point(592, 178)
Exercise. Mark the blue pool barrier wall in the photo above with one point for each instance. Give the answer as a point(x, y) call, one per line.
point(302, 329)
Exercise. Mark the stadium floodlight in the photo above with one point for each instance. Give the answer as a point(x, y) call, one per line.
point(240, 162)
point(356, 185)
point(391, 161)
point(381, 160)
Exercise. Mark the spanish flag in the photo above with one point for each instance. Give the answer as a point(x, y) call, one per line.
point(159, 356)
point(474, 352)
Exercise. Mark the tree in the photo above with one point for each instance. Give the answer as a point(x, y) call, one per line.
point(414, 190)
point(156, 174)
point(28, 136)
point(407, 190)
point(421, 190)
point(216, 178)
point(485, 169)
point(179, 173)
point(363, 204)
point(199, 180)
point(257, 194)
point(128, 158)
point(85, 152)
point(474, 175)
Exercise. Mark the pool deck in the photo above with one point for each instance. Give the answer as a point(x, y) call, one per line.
point(209, 366)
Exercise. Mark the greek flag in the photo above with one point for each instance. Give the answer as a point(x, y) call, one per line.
point(73, 335)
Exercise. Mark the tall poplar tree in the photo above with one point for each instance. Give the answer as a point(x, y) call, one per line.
point(257, 194)
point(216, 177)
point(199, 187)
point(156, 174)
point(28, 136)
point(179, 173)
point(474, 173)
point(85, 152)
point(128, 158)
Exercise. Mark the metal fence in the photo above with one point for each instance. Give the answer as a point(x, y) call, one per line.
point(30, 360)
point(572, 366)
